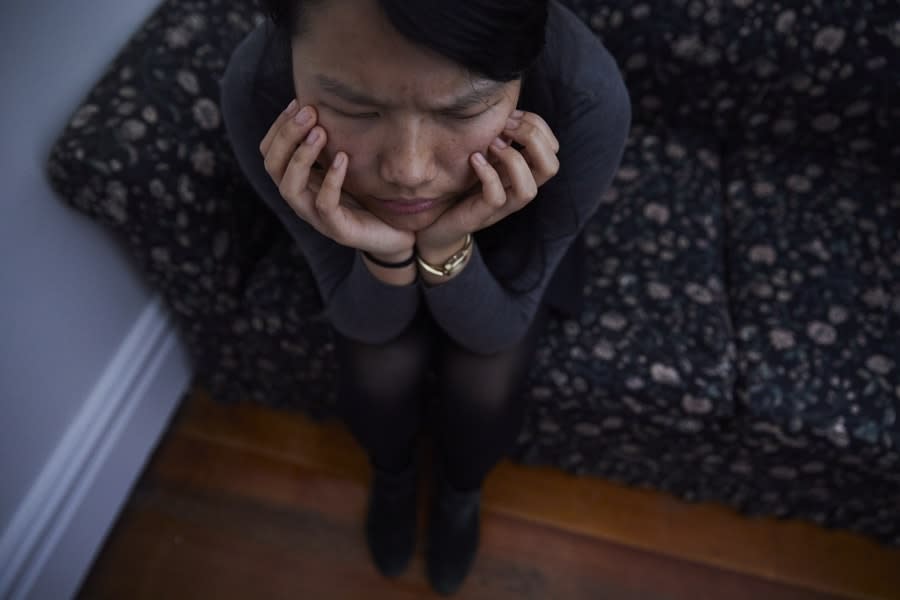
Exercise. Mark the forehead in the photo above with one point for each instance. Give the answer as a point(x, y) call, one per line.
point(353, 41)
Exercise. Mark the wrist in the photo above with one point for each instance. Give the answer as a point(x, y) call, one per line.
point(394, 274)
point(393, 257)
point(435, 254)
point(450, 264)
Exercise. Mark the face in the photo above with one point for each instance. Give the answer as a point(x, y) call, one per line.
point(408, 118)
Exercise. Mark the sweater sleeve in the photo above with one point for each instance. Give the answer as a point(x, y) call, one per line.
point(358, 305)
point(474, 308)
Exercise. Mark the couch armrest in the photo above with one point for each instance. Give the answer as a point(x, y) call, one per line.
point(146, 155)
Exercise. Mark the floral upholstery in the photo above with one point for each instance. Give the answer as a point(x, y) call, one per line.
point(814, 262)
point(741, 337)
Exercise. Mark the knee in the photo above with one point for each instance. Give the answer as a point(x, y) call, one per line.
point(382, 375)
point(488, 389)
point(490, 382)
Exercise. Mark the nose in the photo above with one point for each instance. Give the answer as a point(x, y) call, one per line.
point(407, 157)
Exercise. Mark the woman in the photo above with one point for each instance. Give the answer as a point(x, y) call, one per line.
point(435, 162)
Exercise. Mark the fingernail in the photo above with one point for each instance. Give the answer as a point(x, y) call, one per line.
point(339, 160)
point(291, 107)
point(517, 114)
point(479, 158)
point(498, 143)
point(303, 116)
point(512, 123)
point(313, 136)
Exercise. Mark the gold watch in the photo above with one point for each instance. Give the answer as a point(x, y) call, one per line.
point(452, 265)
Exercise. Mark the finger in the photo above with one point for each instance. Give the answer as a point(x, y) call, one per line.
point(284, 140)
point(476, 211)
point(329, 197)
point(538, 123)
point(544, 128)
point(492, 191)
point(543, 163)
point(527, 133)
point(297, 173)
point(523, 187)
point(282, 118)
point(537, 151)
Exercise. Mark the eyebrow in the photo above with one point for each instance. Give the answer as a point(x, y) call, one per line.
point(345, 92)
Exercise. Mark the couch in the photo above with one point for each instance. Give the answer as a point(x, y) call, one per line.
point(741, 337)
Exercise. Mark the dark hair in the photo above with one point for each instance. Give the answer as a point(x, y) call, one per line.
point(497, 39)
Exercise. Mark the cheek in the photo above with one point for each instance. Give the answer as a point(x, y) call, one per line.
point(480, 139)
point(340, 139)
point(362, 157)
point(491, 131)
point(477, 140)
point(336, 139)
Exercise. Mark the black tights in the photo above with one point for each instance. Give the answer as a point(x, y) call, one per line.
point(476, 418)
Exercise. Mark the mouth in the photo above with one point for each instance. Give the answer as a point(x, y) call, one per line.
point(408, 206)
point(411, 206)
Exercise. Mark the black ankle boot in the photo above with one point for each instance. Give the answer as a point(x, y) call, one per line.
point(453, 536)
point(391, 519)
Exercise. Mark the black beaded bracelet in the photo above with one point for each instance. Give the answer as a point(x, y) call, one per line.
point(390, 265)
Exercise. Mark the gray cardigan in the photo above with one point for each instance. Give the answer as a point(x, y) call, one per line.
point(575, 86)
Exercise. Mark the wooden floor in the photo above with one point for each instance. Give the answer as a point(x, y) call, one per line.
point(245, 502)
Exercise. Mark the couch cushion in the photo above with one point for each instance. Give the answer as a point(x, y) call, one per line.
point(812, 75)
point(286, 337)
point(814, 286)
point(671, 57)
point(803, 74)
point(655, 341)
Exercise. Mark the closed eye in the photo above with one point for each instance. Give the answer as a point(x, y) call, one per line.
point(462, 117)
point(367, 115)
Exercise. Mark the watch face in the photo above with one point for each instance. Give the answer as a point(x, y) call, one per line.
point(454, 261)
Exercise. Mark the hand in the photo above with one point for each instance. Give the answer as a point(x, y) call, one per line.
point(504, 190)
point(290, 149)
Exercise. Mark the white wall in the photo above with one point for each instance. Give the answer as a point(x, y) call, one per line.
point(77, 324)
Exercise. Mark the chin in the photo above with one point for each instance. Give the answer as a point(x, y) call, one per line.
point(413, 223)
point(409, 222)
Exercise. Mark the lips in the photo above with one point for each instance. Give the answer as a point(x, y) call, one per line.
point(408, 206)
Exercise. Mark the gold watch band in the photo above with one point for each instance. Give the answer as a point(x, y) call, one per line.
point(452, 264)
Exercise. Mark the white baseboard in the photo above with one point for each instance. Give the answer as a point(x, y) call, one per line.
point(63, 521)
